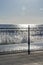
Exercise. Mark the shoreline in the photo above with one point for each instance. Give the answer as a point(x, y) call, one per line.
point(20, 52)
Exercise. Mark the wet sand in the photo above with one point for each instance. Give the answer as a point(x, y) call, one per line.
point(35, 58)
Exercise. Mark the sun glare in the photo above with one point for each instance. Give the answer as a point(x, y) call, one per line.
point(26, 25)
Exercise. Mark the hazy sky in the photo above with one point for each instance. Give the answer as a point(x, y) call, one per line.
point(21, 11)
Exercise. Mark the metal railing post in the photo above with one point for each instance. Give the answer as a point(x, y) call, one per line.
point(28, 39)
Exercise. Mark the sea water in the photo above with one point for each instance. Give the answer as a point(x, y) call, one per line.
point(21, 46)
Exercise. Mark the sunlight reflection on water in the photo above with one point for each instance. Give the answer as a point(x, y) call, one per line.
point(13, 47)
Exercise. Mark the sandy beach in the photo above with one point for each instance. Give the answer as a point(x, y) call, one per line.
point(35, 58)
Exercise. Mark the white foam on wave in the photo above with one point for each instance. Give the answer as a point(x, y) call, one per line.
point(14, 47)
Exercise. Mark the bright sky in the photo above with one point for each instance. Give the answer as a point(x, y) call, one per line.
point(21, 11)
